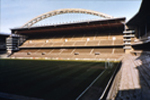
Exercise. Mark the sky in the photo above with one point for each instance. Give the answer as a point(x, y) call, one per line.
point(15, 13)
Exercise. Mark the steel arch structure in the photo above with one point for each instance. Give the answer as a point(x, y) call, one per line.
point(62, 11)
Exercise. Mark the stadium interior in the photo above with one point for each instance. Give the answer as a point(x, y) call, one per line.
point(85, 40)
point(98, 40)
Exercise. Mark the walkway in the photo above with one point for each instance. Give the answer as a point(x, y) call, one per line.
point(135, 78)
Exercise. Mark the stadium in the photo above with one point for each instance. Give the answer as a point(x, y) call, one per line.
point(102, 59)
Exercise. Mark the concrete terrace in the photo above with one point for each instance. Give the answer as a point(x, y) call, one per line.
point(135, 78)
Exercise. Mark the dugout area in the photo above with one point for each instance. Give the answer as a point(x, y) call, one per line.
point(54, 79)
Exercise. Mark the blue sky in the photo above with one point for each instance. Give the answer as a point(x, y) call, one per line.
point(15, 13)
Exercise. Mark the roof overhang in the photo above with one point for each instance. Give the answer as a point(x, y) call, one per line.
point(143, 16)
point(4, 35)
point(93, 24)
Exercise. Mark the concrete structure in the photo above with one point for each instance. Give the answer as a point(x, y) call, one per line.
point(132, 82)
point(141, 24)
point(3, 46)
point(93, 40)
point(62, 11)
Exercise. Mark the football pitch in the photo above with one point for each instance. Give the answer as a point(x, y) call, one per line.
point(53, 79)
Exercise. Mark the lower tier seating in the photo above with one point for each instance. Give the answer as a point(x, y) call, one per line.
point(113, 53)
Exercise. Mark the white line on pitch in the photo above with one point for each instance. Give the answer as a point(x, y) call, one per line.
point(90, 85)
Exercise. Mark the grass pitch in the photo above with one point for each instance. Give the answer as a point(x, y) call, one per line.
point(49, 79)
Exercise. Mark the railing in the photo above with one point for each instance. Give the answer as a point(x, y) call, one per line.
point(111, 89)
point(115, 85)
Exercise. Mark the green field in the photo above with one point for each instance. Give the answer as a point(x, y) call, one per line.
point(50, 79)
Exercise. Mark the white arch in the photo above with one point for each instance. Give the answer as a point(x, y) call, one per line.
point(62, 11)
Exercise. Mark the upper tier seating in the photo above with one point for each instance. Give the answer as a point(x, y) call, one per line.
point(106, 39)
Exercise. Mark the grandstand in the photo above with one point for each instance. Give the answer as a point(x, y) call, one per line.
point(96, 39)
point(3, 47)
point(132, 80)
point(141, 24)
